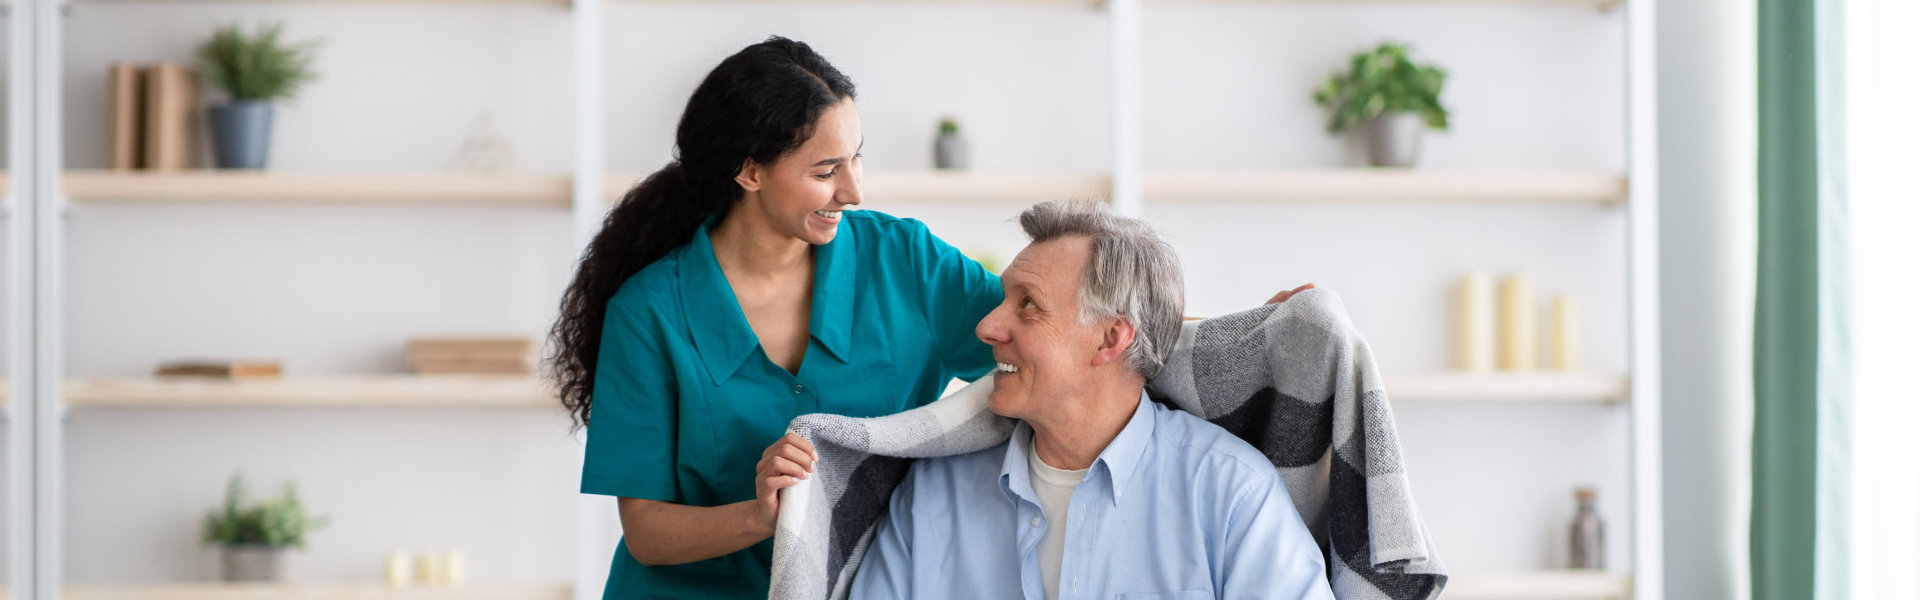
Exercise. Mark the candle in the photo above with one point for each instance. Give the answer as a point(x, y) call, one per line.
point(454, 567)
point(1518, 324)
point(1473, 321)
point(427, 568)
point(399, 569)
point(1563, 346)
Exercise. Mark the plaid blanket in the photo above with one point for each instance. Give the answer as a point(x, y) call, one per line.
point(1293, 379)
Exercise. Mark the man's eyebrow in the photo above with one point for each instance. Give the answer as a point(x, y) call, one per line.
point(835, 161)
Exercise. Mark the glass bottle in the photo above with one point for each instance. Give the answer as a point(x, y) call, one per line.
point(1585, 536)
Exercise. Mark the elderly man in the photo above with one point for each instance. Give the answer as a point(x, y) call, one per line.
point(1100, 493)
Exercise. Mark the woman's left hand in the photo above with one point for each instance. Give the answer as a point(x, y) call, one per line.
point(1284, 295)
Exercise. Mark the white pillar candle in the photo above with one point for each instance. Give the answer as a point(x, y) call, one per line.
point(1473, 323)
point(427, 568)
point(1563, 346)
point(399, 571)
point(454, 567)
point(1519, 325)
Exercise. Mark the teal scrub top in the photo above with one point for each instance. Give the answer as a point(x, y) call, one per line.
point(684, 400)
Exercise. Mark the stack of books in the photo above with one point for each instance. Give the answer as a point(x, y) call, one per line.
point(471, 355)
point(156, 116)
point(221, 369)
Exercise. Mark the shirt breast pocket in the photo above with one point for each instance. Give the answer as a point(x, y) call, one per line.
point(1186, 595)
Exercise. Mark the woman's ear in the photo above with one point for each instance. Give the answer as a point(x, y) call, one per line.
point(1114, 342)
point(750, 175)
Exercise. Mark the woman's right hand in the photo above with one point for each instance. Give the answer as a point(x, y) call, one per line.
point(782, 465)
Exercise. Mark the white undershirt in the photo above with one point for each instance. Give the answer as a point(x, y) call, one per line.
point(1055, 489)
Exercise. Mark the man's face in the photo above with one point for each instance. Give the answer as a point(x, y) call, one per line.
point(1044, 352)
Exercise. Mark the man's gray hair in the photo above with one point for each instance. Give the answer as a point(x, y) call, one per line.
point(1133, 275)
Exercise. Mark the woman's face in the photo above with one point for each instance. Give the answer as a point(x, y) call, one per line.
point(801, 194)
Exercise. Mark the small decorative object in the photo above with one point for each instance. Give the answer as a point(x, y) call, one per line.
point(255, 71)
point(399, 569)
point(471, 355)
point(1563, 343)
point(1519, 329)
point(254, 538)
point(1588, 543)
point(453, 568)
point(949, 149)
point(221, 369)
point(1475, 322)
point(484, 150)
point(427, 569)
point(1388, 96)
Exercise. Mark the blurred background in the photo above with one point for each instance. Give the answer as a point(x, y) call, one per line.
point(314, 321)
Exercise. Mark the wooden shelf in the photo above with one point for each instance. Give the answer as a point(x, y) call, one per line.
point(308, 591)
point(447, 391)
point(1547, 187)
point(103, 186)
point(1495, 386)
point(559, 3)
point(1599, 4)
point(1540, 585)
point(950, 186)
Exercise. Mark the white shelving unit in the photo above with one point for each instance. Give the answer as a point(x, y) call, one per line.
point(1132, 186)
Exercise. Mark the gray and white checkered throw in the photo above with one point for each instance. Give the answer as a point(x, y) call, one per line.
point(1293, 379)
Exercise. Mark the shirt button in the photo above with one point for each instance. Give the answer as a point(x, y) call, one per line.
point(799, 388)
point(1035, 521)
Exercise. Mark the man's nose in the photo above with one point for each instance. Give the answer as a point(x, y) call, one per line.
point(989, 330)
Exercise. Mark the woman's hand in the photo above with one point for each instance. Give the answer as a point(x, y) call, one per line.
point(782, 465)
point(1284, 295)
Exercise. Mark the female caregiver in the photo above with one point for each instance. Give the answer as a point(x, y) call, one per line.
point(732, 291)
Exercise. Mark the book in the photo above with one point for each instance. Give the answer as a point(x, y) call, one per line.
point(125, 87)
point(173, 117)
point(459, 346)
point(228, 369)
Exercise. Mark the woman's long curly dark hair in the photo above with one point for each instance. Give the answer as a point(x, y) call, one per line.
point(758, 105)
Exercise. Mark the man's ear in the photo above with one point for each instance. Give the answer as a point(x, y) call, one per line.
point(1114, 342)
point(750, 175)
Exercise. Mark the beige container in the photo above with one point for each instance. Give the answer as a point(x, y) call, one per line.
point(1519, 325)
point(1563, 335)
point(1473, 323)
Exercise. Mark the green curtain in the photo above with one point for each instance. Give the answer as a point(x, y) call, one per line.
point(1801, 393)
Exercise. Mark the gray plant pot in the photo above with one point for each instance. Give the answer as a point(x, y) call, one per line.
point(253, 563)
point(1393, 139)
point(949, 151)
point(241, 132)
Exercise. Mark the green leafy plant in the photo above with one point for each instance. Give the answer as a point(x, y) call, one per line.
point(949, 126)
point(1380, 81)
point(258, 66)
point(275, 523)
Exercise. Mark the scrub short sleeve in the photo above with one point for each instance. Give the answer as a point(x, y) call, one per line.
point(631, 436)
point(959, 292)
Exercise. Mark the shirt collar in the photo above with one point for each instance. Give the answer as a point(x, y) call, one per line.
point(1119, 461)
point(831, 321)
point(719, 326)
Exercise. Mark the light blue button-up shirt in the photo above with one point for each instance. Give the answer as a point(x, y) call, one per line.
point(1174, 508)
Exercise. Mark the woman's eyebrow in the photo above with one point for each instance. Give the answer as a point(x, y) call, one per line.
point(838, 160)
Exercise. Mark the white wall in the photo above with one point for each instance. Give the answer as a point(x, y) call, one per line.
point(337, 290)
point(328, 290)
point(1707, 228)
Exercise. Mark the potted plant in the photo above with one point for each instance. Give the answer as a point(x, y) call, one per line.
point(949, 149)
point(255, 71)
point(254, 538)
point(1391, 98)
